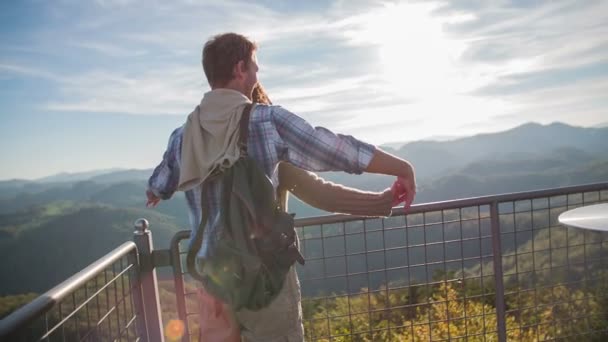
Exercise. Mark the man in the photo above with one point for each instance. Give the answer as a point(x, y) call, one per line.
point(207, 143)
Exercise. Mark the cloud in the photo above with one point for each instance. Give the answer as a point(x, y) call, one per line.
point(548, 59)
point(554, 34)
point(173, 91)
point(174, 87)
point(474, 60)
point(113, 3)
point(109, 49)
point(579, 102)
point(27, 71)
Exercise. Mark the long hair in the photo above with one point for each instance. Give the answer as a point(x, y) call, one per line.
point(259, 95)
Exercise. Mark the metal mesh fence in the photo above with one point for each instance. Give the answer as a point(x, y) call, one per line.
point(99, 308)
point(497, 268)
point(400, 278)
point(555, 276)
point(430, 275)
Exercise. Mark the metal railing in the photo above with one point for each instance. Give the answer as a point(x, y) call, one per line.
point(475, 269)
point(113, 299)
point(492, 268)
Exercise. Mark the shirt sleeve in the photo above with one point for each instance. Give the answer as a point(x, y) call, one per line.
point(317, 148)
point(165, 177)
point(332, 197)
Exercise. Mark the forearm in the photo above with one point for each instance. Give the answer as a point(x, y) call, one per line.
point(387, 164)
point(163, 181)
point(332, 197)
point(162, 186)
point(354, 202)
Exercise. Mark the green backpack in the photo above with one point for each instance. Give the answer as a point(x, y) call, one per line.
point(258, 245)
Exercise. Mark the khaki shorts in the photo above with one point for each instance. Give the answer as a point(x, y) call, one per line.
point(280, 321)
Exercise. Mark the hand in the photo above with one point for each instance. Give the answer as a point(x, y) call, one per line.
point(404, 188)
point(152, 199)
point(398, 191)
point(408, 186)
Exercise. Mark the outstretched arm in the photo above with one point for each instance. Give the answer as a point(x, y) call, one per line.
point(319, 149)
point(332, 197)
point(387, 164)
point(163, 182)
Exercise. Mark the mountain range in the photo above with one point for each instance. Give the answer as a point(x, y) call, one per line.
point(52, 227)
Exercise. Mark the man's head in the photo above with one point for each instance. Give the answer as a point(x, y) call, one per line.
point(229, 61)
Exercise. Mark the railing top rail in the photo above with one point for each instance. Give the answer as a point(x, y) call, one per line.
point(45, 302)
point(459, 203)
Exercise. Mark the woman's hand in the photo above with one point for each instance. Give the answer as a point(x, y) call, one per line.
point(401, 193)
point(152, 199)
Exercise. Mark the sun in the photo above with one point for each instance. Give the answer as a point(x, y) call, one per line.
point(414, 55)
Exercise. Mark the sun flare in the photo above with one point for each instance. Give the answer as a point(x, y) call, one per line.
point(414, 55)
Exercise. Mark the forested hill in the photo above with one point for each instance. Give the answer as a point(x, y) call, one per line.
point(42, 246)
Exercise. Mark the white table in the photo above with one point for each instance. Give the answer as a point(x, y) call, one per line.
point(594, 217)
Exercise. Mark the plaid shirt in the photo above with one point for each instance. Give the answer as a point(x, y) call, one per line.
point(275, 135)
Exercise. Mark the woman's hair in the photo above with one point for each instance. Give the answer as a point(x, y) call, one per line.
point(221, 53)
point(259, 95)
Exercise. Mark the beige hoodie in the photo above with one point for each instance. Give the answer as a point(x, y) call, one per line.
point(211, 134)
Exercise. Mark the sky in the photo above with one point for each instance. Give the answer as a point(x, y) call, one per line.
point(88, 85)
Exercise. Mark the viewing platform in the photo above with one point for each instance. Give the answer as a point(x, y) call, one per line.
point(492, 268)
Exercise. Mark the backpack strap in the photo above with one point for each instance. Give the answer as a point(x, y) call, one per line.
point(196, 245)
point(244, 128)
point(198, 238)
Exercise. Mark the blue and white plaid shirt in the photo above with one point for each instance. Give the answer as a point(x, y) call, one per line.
point(275, 135)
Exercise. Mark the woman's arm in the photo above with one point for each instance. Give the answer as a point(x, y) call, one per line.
point(332, 197)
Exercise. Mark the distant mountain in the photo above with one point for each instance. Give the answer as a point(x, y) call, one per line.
point(601, 125)
point(529, 162)
point(395, 145)
point(461, 184)
point(13, 183)
point(36, 194)
point(123, 176)
point(11, 188)
point(75, 177)
point(436, 158)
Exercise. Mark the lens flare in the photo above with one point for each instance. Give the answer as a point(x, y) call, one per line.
point(174, 330)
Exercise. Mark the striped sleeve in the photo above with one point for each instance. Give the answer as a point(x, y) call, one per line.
point(165, 177)
point(317, 148)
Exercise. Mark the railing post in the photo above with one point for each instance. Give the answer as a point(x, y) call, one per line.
point(138, 298)
point(178, 277)
point(501, 327)
point(149, 285)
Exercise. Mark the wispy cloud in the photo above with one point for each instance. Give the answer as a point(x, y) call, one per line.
point(170, 91)
point(109, 49)
point(114, 3)
point(26, 71)
point(399, 60)
point(549, 35)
